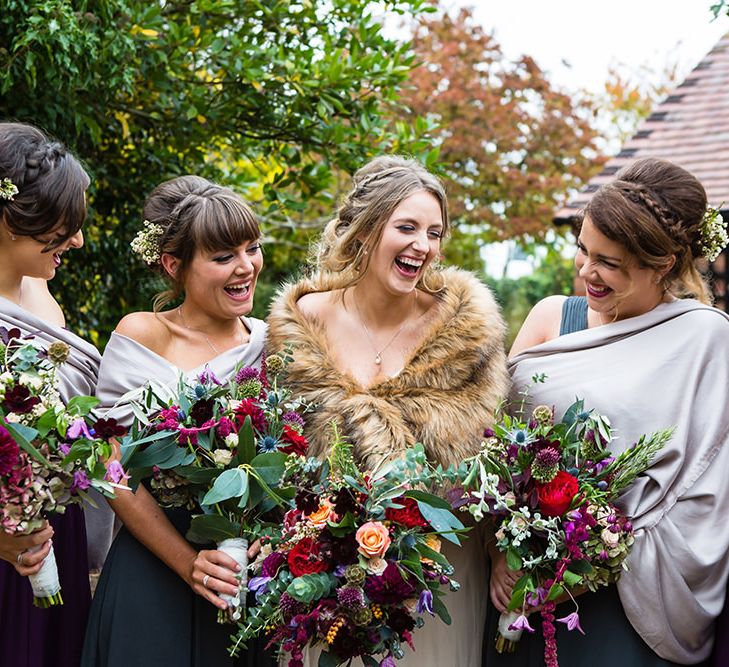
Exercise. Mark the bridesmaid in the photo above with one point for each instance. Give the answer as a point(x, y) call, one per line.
point(42, 209)
point(156, 602)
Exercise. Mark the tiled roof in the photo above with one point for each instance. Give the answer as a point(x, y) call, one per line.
point(690, 127)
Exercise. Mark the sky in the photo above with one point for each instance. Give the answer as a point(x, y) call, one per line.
point(576, 41)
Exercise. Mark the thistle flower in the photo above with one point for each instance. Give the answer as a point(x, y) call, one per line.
point(546, 464)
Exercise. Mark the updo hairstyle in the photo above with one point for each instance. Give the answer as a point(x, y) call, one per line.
point(196, 215)
point(378, 189)
point(51, 184)
point(655, 209)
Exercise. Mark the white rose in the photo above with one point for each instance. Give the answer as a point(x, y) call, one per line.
point(222, 457)
point(31, 380)
point(376, 565)
point(231, 440)
point(609, 538)
point(6, 378)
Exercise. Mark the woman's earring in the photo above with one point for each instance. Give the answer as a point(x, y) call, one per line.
point(13, 237)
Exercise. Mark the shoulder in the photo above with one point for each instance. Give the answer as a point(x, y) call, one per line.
point(541, 325)
point(38, 300)
point(145, 328)
point(315, 305)
point(468, 303)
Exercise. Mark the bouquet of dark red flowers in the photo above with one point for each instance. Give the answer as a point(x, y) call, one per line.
point(550, 489)
point(358, 562)
point(51, 453)
point(219, 449)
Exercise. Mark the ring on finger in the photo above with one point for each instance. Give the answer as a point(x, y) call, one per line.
point(20, 557)
point(205, 580)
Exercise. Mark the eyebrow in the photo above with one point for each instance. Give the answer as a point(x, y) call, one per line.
point(617, 260)
point(415, 221)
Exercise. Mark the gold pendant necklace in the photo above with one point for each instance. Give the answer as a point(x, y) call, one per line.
point(202, 333)
point(378, 353)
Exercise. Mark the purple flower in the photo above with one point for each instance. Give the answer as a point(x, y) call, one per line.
point(293, 419)
point(64, 448)
point(272, 564)
point(572, 621)
point(78, 428)
point(80, 482)
point(115, 473)
point(245, 374)
point(521, 623)
point(389, 661)
point(9, 452)
point(425, 602)
point(208, 377)
point(258, 585)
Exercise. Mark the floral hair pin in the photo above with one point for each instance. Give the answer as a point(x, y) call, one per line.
point(714, 237)
point(8, 189)
point(146, 243)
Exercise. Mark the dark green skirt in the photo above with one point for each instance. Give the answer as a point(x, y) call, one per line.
point(609, 639)
point(144, 615)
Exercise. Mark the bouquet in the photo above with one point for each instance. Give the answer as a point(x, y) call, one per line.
point(358, 562)
point(550, 490)
point(50, 453)
point(219, 449)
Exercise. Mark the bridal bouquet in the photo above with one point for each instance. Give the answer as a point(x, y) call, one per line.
point(219, 449)
point(550, 489)
point(357, 564)
point(50, 453)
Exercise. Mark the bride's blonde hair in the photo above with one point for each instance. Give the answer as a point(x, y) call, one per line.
point(378, 188)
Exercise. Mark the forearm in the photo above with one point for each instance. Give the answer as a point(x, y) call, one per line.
point(144, 519)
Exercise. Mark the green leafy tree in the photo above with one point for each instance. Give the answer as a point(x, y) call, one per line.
point(274, 97)
point(512, 147)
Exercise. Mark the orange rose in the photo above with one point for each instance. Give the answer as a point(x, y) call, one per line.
point(434, 543)
point(373, 539)
point(319, 518)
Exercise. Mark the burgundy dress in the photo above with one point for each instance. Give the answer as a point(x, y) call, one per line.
point(53, 637)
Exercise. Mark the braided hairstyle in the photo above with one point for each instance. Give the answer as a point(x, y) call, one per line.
point(196, 215)
point(51, 185)
point(655, 209)
point(378, 189)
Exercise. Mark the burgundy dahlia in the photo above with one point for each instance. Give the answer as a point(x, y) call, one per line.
point(400, 621)
point(19, 400)
point(272, 564)
point(389, 587)
point(108, 428)
point(9, 453)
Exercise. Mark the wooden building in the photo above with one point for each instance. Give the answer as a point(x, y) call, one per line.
point(691, 128)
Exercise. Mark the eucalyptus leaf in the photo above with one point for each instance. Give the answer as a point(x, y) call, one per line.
point(229, 484)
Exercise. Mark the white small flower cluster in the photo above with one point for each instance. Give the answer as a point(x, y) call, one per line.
point(714, 237)
point(8, 189)
point(146, 243)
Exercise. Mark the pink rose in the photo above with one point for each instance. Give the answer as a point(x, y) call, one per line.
point(373, 539)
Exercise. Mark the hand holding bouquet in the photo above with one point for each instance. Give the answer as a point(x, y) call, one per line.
point(358, 563)
point(50, 453)
point(219, 450)
point(550, 490)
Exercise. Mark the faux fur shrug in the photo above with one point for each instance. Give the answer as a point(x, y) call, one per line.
point(444, 397)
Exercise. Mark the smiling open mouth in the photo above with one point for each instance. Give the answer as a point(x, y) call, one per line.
point(598, 291)
point(408, 266)
point(238, 291)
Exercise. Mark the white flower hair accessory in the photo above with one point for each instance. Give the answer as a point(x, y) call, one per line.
point(714, 237)
point(8, 189)
point(146, 243)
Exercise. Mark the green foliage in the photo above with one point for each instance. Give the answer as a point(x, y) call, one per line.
point(273, 98)
point(516, 296)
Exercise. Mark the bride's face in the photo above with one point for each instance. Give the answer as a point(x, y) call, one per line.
point(409, 242)
point(26, 257)
point(222, 282)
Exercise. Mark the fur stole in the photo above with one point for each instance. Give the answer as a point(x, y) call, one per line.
point(444, 397)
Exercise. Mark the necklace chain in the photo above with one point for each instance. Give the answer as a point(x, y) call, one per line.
point(378, 353)
point(202, 333)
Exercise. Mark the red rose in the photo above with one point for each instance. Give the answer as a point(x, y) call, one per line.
point(304, 558)
point(409, 515)
point(555, 497)
point(297, 442)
